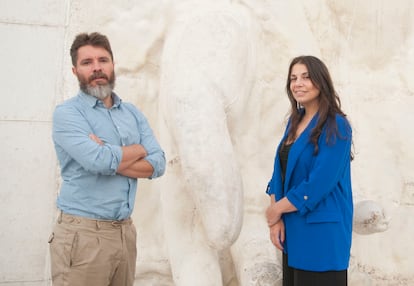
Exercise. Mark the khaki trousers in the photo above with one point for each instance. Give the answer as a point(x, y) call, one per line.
point(88, 252)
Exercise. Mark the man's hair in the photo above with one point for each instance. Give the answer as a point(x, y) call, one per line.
point(94, 39)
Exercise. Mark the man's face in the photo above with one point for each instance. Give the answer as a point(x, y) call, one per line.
point(95, 71)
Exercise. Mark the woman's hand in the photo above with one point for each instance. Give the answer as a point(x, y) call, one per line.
point(276, 209)
point(273, 215)
point(277, 234)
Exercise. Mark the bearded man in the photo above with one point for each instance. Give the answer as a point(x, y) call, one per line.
point(103, 146)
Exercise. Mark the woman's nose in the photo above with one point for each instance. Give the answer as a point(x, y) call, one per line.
point(298, 82)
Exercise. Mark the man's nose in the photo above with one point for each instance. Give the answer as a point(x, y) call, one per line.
point(97, 66)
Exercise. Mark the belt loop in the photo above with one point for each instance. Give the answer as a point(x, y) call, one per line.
point(60, 217)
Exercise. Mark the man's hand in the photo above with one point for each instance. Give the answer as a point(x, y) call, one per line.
point(96, 139)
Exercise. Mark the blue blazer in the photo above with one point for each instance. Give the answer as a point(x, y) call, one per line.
point(318, 234)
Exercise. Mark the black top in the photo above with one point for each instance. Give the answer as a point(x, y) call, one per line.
point(283, 155)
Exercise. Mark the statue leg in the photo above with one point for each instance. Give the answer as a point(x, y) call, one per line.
point(192, 260)
point(256, 260)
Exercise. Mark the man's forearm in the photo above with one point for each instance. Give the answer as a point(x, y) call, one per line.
point(138, 169)
point(130, 155)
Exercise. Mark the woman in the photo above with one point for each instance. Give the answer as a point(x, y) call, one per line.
point(310, 214)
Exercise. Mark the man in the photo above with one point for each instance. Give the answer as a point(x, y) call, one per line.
point(103, 145)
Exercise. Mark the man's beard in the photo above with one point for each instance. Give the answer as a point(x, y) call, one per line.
point(100, 91)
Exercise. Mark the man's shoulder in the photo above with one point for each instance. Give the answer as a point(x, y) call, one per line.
point(69, 101)
point(70, 106)
point(74, 102)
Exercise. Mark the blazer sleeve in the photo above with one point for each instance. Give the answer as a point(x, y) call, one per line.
point(275, 185)
point(327, 170)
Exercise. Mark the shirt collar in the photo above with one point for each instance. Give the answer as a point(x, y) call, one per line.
point(93, 101)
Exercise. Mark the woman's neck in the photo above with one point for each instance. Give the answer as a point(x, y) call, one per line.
point(310, 111)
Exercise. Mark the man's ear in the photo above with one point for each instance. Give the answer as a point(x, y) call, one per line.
point(74, 70)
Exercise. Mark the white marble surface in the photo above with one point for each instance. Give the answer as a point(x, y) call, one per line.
point(368, 46)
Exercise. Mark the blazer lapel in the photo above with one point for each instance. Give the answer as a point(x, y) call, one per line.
point(296, 150)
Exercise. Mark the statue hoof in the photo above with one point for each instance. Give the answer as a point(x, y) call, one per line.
point(369, 217)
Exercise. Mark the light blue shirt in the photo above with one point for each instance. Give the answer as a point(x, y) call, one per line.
point(90, 185)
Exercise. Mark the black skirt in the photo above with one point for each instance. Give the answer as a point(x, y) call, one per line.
point(296, 277)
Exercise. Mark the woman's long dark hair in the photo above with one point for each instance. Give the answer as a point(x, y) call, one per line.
point(329, 102)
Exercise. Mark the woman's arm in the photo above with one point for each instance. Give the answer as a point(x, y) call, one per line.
point(276, 209)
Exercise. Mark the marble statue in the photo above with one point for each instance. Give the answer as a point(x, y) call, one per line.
point(207, 74)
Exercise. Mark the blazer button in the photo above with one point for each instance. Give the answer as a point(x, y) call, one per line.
point(305, 197)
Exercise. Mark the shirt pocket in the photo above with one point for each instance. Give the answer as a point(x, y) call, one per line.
point(323, 217)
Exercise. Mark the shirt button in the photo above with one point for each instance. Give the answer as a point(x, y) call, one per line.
point(305, 197)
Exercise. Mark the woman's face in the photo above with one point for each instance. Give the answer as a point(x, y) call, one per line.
point(302, 88)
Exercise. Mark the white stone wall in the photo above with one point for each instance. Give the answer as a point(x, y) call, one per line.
point(368, 46)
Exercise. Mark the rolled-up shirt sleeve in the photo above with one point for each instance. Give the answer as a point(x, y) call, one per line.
point(157, 161)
